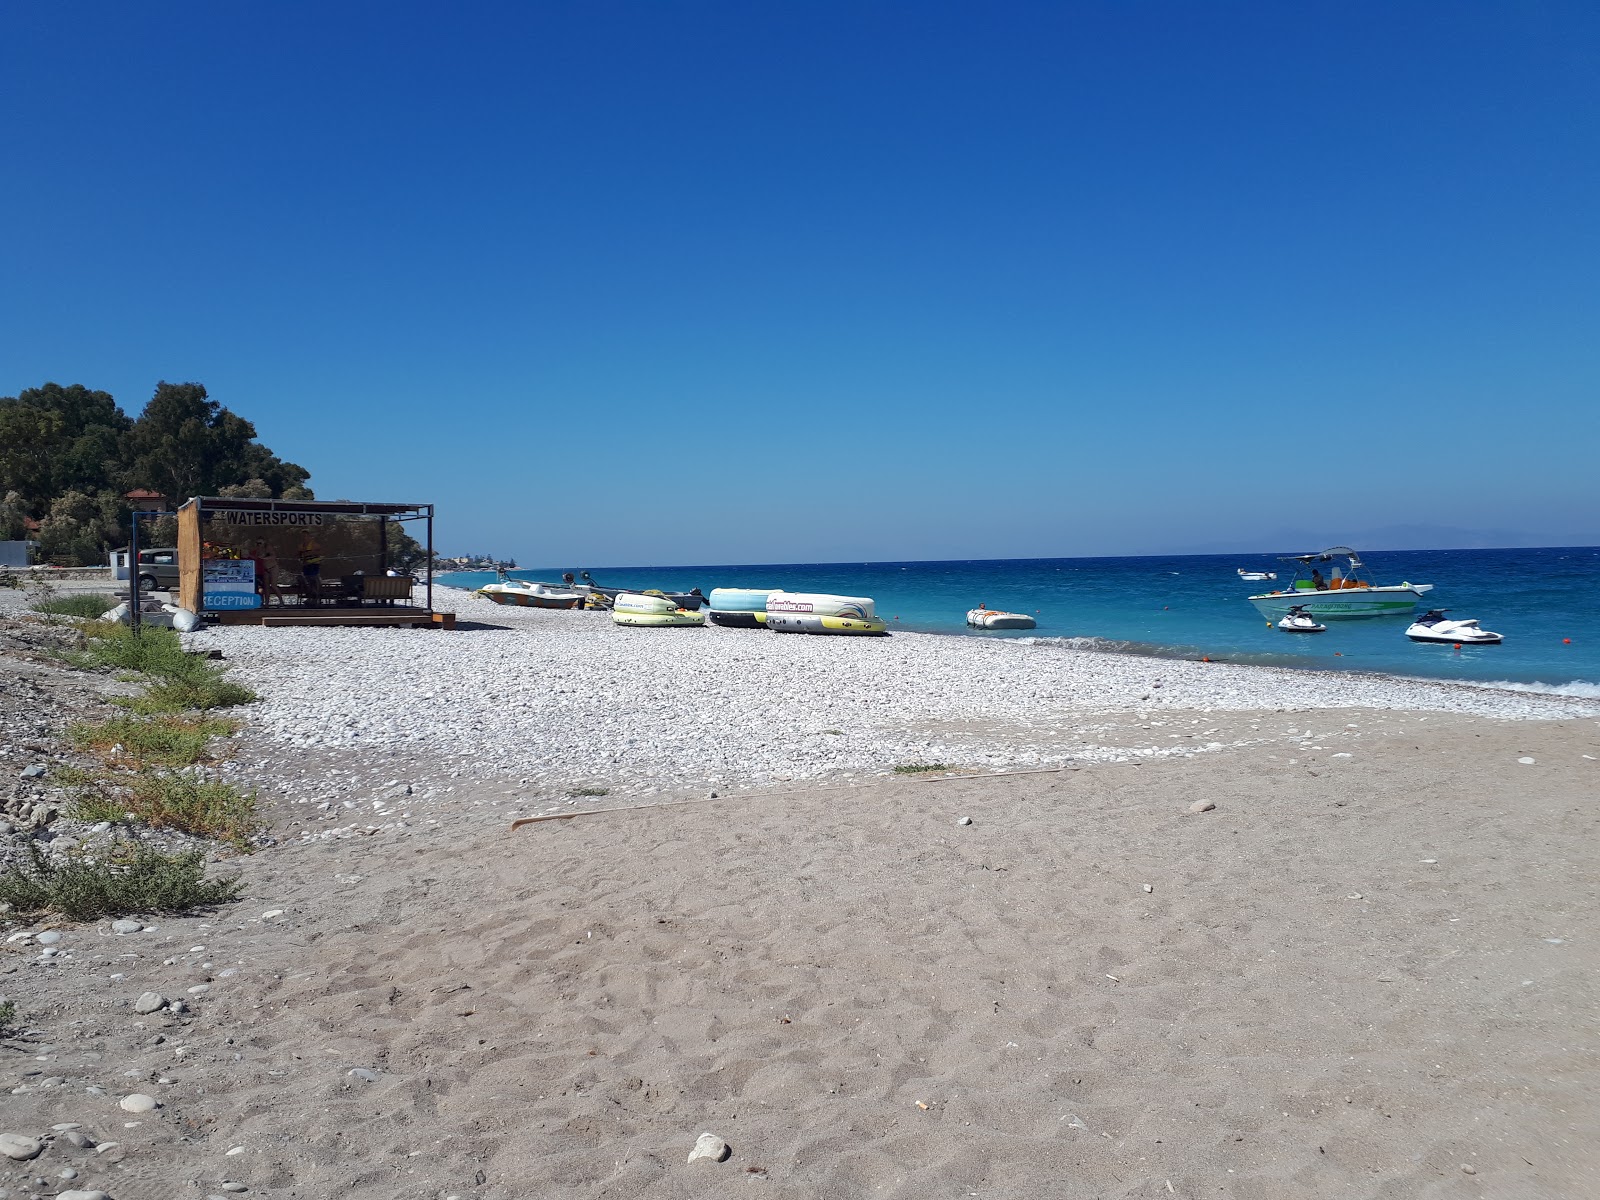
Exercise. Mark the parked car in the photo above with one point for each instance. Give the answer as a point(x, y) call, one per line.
point(158, 568)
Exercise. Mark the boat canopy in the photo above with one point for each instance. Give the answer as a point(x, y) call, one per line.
point(1327, 555)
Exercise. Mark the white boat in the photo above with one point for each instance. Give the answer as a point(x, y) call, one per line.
point(1434, 626)
point(1256, 575)
point(1339, 595)
point(1297, 620)
point(526, 594)
point(992, 618)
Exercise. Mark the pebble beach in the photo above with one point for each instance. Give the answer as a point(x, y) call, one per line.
point(1117, 926)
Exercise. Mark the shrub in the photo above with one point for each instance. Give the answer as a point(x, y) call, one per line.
point(179, 681)
point(920, 768)
point(182, 800)
point(166, 740)
point(589, 791)
point(86, 605)
point(138, 880)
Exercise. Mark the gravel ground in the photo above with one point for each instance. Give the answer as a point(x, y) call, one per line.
point(568, 698)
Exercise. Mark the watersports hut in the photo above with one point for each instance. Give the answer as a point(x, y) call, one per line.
point(303, 562)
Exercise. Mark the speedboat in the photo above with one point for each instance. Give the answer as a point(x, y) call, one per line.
point(691, 599)
point(1339, 595)
point(1297, 620)
point(528, 594)
point(984, 617)
point(1434, 626)
point(1256, 575)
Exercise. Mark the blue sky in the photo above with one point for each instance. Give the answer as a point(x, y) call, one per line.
point(713, 282)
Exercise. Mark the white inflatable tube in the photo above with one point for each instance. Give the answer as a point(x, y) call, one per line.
point(820, 604)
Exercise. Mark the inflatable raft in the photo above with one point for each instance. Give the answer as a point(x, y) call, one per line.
point(812, 623)
point(739, 608)
point(639, 609)
point(816, 612)
point(993, 618)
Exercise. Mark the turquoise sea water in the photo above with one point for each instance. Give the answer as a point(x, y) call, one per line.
point(1195, 605)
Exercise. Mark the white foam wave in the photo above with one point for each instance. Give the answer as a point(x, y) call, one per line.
point(1577, 688)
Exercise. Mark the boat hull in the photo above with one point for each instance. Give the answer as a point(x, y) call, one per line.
point(524, 598)
point(1344, 603)
point(659, 620)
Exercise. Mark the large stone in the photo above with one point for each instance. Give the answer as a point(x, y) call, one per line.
point(149, 1002)
point(126, 925)
point(80, 1194)
point(138, 1102)
point(708, 1147)
point(1200, 806)
point(14, 1145)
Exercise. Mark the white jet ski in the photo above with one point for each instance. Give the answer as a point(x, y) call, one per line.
point(1434, 626)
point(1298, 620)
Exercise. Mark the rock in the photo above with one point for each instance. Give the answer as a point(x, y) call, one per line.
point(79, 1194)
point(138, 1102)
point(271, 913)
point(14, 1145)
point(1526, 761)
point(233, 1185)
point(708, 1148)
point(48, 938)
point(126, 925)
point(78, 1138)
point(1200, 806)
point(66, 1173)
point(33, 772)
point(366, 1074)
point(1148, 888)
point(1469, 1169)
point(149, 1002)
point(964, 821)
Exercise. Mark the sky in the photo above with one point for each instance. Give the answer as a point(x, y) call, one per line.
point(654, 283)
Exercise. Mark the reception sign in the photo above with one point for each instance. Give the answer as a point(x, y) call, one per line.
point(228, 583)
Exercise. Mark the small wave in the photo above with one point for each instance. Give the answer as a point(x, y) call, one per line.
point(1577, 688)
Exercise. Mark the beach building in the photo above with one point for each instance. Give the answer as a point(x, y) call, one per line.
point(247, 561)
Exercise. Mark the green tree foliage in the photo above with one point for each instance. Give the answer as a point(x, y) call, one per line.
point(68, 455)
point(55, 440)
point(186, 444)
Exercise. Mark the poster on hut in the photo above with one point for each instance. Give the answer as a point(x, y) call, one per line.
point(228, 583)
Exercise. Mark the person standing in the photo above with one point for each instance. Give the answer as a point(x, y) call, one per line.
point(311, 568)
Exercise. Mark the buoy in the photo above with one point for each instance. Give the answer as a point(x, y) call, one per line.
point(1566, 641)
point(1458, 645)
point(1205, 658)
point(1338, 653)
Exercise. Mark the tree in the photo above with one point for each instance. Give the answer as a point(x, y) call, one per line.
point(81, 527)
point(55, 440)
point(186, 444)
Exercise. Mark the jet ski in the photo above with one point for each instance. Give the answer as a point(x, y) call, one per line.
point(1434, 626)
point(1298, 620)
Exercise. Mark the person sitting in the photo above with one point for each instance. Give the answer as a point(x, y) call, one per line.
point(1317, 581)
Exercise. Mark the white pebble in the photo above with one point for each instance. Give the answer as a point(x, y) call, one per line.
point(138, 1102)
point(708, 1147)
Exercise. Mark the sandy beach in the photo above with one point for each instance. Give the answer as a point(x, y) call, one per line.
point(1368, 970)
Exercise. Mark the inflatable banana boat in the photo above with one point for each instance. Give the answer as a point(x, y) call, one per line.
point(816, 612)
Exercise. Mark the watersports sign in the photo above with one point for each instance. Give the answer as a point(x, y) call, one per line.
point(228, 583)
point(232, 517)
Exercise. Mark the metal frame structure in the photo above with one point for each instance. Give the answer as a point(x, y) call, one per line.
point(202, 506)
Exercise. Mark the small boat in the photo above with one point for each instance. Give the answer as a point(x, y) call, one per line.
point(1256, 575)
point(984, 617)
point(1434, 626)
point(739, 608)
point(690, 599)
point(1297, 620)
point(527, 594)
point(646, 610)
point(817, 612)
point(1339, 595)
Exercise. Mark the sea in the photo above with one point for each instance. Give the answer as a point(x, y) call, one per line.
point(1546, 601)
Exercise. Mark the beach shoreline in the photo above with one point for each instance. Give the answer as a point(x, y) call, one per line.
point(1359, 972)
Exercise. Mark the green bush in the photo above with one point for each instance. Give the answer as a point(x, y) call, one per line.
point(182, 800)
point(86, 605)
point(139, 880)
point(179, 681)
point(169, 741)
